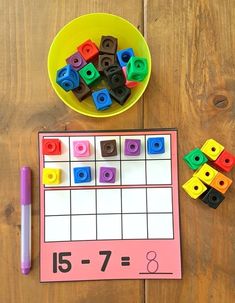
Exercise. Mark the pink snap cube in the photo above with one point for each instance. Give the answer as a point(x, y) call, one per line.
point(81, 148)
point(128, 83)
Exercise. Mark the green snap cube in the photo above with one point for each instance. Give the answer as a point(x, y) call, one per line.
point(89, 74)
point(195, 158)
point(137, 69)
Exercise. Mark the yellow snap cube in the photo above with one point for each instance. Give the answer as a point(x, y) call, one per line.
point(206, 173)
point(194, 187)
point(212, 149)
point(51, 176)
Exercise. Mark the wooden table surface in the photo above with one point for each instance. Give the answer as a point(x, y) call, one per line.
point(192, 88)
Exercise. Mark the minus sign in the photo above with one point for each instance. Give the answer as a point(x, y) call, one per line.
point(86, 261)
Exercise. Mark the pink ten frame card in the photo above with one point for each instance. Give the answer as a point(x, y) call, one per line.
point(127, 229)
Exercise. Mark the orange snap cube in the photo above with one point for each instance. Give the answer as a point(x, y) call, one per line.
point(221, 183)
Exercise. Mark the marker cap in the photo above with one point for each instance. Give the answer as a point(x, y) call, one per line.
point(25, 185)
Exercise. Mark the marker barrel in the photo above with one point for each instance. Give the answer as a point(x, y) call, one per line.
point(25, 201)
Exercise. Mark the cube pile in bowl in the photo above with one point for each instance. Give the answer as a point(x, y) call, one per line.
point(120, 69)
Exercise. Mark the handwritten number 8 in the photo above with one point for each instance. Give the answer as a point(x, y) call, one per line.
point(152, 265)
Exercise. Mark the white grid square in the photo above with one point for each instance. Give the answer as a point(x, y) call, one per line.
point(159, 172)
point(159, 199)
point(64, 166)
point(133, 172)
point(108, 201)
point(115, 164)
point(83, 201)
point(134, 226)
point(98, 148)
point(83, 227)
point(142, 148)
point(83, 164)
point(160, 226)
point(134, 200)
point(57, 202)
point(64, 150)
point(167, 154)
point(109, 227)
point(92, 150)
point(57, 228)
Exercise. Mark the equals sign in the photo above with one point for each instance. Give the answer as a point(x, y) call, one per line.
point(86, 261)
point(125, 261)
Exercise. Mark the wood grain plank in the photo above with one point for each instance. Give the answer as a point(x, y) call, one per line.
point(28, 105)
point(193, 88)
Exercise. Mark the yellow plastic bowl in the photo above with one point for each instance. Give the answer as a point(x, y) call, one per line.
point(93, 26)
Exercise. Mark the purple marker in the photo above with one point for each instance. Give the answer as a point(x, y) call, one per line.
point(25, 201)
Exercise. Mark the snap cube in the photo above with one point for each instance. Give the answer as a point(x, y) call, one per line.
point(108, 45)
point(81, 148)
point(76, 61)
point(156, 145)
point(195, 158)
point(88, 50)
point(67, 78)
point(51, 176)
point(212, 198)
point(108, 148)
point(115, 76)
point(120, 94)
point(89, 74)
point(132, 147)
point(105, 61)
point(194, 187)
point(221, 183)
point(51, 147)
point(137, 69)
point(82, 174)
point(206, 173)
point(82, 91)
point(107, 175)
point(225, 161)
point(212, 149)
point(102, 99)
point(129, 84)
point(124, 56)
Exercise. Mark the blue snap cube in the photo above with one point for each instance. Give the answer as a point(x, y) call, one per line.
point(124, 56)
point(82, 174)
point(156, 145)
point(102, 99)
point(67, 78)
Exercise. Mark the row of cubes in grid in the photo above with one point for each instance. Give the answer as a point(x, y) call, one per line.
point(108, 201)
point(124, 172)
point(108, 147)
point(108, 227)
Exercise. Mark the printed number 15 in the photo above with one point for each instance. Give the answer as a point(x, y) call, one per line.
point(65, 265)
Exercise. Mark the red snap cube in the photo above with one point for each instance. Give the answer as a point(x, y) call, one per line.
point(225, 161)
point(51, 147)
point(88, 50)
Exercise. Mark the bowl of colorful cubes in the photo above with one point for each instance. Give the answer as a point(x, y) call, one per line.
point(99, 64)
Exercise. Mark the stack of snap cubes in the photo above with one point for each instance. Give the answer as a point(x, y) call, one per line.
point(207, 183)
point(121, 70)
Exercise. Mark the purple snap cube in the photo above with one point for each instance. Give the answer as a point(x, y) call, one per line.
point(76, 60)
point(132, 147)
point(107, 175)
